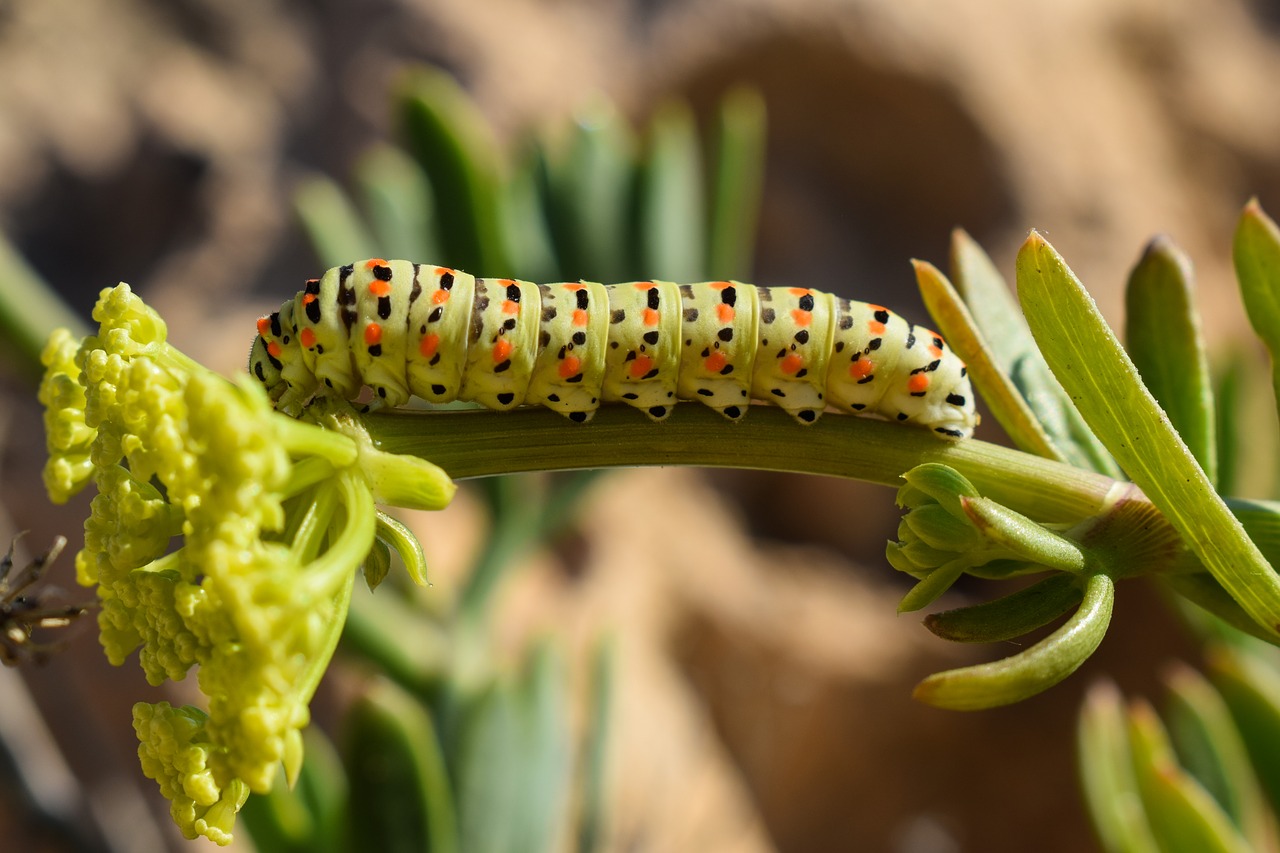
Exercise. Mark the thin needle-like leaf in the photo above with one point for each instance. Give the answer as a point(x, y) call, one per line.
point(1106, 769)
point(670, 230)
point(1033, 671)
point(1162, 334)
point(1257, 260)
point(337, 233)
point(995, 312)
point(735, 193)
point(959, 327)
point(1092, 366)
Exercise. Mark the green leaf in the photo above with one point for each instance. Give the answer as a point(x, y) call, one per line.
point(589, 191)
point(934, 584)
point(1107, 772)
point(1212, 750)
point(397, 196)
point(1009, 617)
point(513, 764)
point(1251, 688)
point(377, 564)
point(524, 212)
point(1014, 352)
point(310, 817)
point(1183, 815)
point(451, 140)
point(671, 218)
point(1230, 411)
point(29, 311)
point(1257, 259)
point(1033, 671)
point(401, 799)
point(337, 233)
point(592, 817)
point(737, 186)
point(958, 325)
point(1086, 357)
point(1162, 334)
point(406, 545)
point(1021, 536)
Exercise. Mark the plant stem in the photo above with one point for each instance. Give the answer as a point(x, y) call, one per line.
point(482, 443)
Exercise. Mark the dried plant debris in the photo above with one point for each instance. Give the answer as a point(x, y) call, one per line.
point(22, 611)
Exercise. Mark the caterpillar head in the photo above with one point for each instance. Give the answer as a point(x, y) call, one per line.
point(264, 366)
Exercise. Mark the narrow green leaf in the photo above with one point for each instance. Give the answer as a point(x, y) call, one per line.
point(1092, 366)
point(737, 186)
point(1183, 815)
point(1014, 352)
point(941, 483)
point(337, 233)
point(1009, 617)
point(513, 764)
point(397, 196)
point(1251, 688)
point(377, 564)
point(1033, 671)
point(524, 212)
point(1211, 749)
point(29, 311)
point(311, 816)
point(1202, 590)
point(1023, 537)
point(401, 799)
point(545, 768)
point(401, 540)
point(1229, 428)
point(933, 585)
point(1257, 259)
point(958, 325)
point(589, 191)
point(1162, 334)
point(671, 220)
point(593, 815)
point(1107, 774)
point(449, 137)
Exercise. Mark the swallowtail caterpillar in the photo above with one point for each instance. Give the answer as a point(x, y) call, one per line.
point(404, 329)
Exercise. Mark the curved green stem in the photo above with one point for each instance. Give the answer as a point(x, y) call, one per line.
point(482, 443)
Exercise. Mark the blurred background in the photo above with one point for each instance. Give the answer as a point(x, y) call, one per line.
point(760, 681)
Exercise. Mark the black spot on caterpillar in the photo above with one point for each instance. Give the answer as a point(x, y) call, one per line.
point(414, 329)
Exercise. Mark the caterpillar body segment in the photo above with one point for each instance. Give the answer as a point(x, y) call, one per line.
point(407, 329)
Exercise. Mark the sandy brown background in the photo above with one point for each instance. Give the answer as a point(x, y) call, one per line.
point(764, 695)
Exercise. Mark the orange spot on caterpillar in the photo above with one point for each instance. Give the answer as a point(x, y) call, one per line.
point(579, 317)
point(801, 318)
point(715, 362)
point(510, 307)
point(721, 285)
point(574, 286)
point(307, 337)
point(443, 271)
point(917, 383)
point(725, 313)
point(428, 345)
point(308, 298)
point(378, 287)
point(875, 327)
point(372, 334)
point(374, 262)
point(264, 326)
point(501, 350)
point(641, 366)
point(440, 297)
point(273, 349)
point(861, 368)
point(643, 285)
point(570, 366)
point(650, 317)
point(792, 363)
point(798, 291)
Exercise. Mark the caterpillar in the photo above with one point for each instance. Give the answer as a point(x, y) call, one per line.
point(405, 329)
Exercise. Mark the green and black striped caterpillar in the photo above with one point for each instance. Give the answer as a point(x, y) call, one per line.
point(414, 329)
